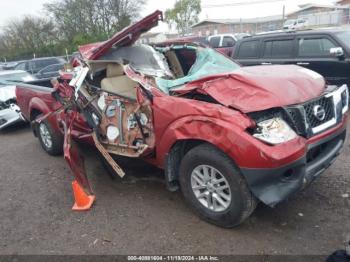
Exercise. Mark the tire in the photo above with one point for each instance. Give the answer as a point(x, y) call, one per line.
point(44, 132)
point(242, 202)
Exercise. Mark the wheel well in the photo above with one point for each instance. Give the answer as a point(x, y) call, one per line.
point(173, 160)
point(33, 114)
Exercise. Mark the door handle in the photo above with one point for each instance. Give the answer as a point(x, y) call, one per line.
point(266, 63)
point(303, 63)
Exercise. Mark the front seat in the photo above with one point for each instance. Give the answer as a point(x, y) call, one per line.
point(118, 83)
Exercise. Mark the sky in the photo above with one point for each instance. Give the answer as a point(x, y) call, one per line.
point(12, 9)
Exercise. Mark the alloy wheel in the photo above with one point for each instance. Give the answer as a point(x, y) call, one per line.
point(211, 188)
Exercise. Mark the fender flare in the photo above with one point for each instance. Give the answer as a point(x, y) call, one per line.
point(211, 130)
point(39, 105)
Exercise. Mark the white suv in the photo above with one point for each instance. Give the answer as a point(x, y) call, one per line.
point(294, 24)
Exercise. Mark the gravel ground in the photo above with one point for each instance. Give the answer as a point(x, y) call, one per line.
point(138, 215)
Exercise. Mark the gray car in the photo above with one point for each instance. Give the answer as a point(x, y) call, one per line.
point(49, 71)
point(33, 66)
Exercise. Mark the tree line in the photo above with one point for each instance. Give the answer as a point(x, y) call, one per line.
point(66, 24)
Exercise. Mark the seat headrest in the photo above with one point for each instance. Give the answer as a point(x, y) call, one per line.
point(114, 70)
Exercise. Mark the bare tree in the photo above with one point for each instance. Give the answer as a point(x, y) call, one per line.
point(94, 19)
point(25, 36)
point(67, 24)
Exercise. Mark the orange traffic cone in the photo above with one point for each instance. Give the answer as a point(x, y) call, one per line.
point(83, 201)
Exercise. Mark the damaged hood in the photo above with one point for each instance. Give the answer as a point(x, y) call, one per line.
point(257, 88)
point(7, 93)
point(127, 36)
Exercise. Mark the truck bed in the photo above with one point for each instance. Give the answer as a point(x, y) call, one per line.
point(35, 98)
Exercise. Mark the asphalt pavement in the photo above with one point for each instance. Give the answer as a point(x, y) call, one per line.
point(137, 215)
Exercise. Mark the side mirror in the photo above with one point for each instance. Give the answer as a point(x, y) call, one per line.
point(336, 51)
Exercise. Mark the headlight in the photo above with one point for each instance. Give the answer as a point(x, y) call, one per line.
point(274, 131)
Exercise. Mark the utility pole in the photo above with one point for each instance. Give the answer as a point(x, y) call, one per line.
point(283, 15)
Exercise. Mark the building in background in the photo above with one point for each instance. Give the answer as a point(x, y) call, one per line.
point(316, 15)
point(344, 3)
point(322, 15)
point(224, 26)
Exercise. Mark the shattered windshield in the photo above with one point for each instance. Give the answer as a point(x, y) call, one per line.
point(142, 58)
point(208, 62)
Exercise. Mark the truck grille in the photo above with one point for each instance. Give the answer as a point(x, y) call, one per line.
point(304, 119)
point(307, 122)
point(327, 104)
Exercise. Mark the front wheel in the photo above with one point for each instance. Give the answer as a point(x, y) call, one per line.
point(50, 139)
point(214, 188)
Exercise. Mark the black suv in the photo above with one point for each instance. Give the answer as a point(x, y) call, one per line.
point(35, 65)
point(324, 51)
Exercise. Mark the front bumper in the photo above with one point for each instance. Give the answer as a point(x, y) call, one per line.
point(274, 185)
point(10, 116)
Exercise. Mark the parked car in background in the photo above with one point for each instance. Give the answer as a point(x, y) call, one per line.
point(10, 113)
point(49, 71)
point(227, 135)
point(225, 43)
point(10, 65)
point(33, 66)
point(295, 24)
point(325, 51)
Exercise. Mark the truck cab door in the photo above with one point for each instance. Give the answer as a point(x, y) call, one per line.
point(121, 113)
point(248, 53)
point(277, 51)
point(314, 53)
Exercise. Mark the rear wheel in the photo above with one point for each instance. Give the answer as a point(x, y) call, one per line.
point(213, 186)
point(50, 140)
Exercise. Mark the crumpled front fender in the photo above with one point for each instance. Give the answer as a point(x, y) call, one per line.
point(217, 132)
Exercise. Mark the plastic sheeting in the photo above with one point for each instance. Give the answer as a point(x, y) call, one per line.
point(208, 62)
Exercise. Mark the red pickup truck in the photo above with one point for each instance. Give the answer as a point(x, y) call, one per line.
point(227, 136)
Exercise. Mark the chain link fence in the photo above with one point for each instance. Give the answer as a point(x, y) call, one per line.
point(333, 18)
